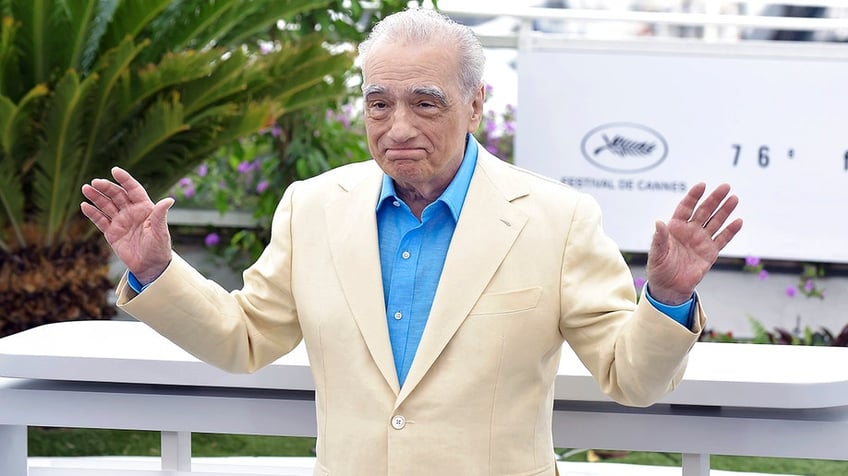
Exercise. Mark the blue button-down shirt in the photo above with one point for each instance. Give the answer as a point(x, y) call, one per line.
point(412, 254)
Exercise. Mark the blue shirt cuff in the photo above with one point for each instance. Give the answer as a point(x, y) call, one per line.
point(681, 313)
point(135, 284)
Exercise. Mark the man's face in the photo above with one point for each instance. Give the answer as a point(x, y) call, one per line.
point(416, 117)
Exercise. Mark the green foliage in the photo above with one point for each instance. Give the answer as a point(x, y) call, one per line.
point(251, 174)
point(808, 285)
point(90, 442)
point(761, 334)
point(154, 86)
point(806, 336)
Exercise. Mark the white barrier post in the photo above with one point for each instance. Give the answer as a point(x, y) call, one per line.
point(696, 465)
point(13, 450)
point(176, 450)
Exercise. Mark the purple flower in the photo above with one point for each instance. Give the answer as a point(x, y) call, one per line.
point(189, 192)
point(489, 89)
point(763, 275)
point(266, 47)
point(509, 127)
point(212, 239)
point(638, 283)
point(276, 131)
point(808, 286)
point(244, 167)
point(203, 170)
point(490, 126)
point(492, 149)
point(752, 261)
point(344, 119)
point(185, 182)
point(262, 186)
point(791, 291)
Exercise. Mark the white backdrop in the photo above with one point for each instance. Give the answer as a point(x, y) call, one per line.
point(637, 125)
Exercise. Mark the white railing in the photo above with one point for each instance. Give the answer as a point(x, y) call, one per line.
point(736, 399)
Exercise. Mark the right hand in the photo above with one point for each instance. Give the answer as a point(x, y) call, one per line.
point(135, 227)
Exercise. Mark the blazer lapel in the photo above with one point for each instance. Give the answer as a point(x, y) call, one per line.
point(487, 228)
point(352, 232)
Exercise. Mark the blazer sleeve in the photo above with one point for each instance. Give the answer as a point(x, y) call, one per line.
point(239, 331)
point(636, 353)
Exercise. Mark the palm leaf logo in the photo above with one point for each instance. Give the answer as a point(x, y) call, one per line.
point(624, 147)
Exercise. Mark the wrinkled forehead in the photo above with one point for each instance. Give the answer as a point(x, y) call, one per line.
point(411, 65)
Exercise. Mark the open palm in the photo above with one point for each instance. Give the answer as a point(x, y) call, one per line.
point(683, 250)
point(132, 224)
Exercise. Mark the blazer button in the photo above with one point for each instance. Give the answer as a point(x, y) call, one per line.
point(398, 422)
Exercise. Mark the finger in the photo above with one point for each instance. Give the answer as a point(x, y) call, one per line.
point(100, 220)
point(135, 191)
point(102, 202)
point(722, 239)
point(112, 191)
point(721, 215)
point(710, 204)
point(687, 205)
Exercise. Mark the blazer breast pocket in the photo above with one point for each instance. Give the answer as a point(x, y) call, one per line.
point(507, 302)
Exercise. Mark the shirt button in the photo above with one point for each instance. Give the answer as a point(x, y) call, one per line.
point(396, 203)
point(398, 315)
point(406, 255)
point(398, 422)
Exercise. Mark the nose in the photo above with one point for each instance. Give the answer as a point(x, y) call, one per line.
point(402, 127)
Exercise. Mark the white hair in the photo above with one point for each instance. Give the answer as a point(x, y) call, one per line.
point(424, 25)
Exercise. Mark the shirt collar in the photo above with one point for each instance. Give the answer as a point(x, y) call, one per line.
point(454, 195)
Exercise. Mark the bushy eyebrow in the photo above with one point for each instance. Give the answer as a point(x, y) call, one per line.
point(431, 91)
point(372, 89)
point(436, 93)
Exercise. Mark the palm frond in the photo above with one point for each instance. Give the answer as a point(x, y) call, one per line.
point(310, 71)
point(130, 18)
point(11, 187)
point(162, 121)
point(111, 68)
point(33, 38)
point(80, 15)
point(173, 72)
point(11, 202)
point(186, 25)
point(17, 127)
point(225, 81)
point(59, 157)
point(156, 86)
point(10, 74)
point(218, 127)
point(265, 14)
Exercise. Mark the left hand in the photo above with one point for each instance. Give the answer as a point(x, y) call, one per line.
point(683, 250)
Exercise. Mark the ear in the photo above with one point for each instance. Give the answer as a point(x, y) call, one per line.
point(477, 101)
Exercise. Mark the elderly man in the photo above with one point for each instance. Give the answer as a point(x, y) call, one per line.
point(433, 286)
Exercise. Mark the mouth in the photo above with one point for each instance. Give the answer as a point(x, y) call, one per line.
point(404, 153)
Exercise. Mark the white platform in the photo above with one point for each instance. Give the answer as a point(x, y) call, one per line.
point(256, 466)
point(736, 399)
point(720, 374)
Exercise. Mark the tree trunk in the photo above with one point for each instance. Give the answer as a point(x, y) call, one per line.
point(42, 285)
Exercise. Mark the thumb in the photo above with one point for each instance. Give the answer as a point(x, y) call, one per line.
point(659, 243)
point(159, 215)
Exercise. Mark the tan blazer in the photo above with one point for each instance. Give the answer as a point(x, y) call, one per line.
point(528, 268)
